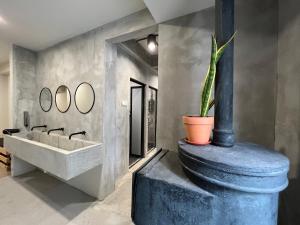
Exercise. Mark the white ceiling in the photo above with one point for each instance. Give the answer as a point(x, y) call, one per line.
point(163, 10)
point(38, 24)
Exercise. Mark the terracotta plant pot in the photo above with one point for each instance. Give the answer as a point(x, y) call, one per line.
point(198, 129)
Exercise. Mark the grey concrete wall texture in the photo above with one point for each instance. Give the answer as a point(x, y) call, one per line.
point(89, 57)
point(71, 63)
point(23, 88)
point(184, 53)
point(127, 67)
point(288, 87)
point(255, 71)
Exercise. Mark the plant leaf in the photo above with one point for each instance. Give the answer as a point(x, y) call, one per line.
point(209, 80)
point(221, 50)
point(203, 86)
point(211, 104)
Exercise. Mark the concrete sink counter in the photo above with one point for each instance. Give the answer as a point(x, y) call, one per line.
point(54, 154)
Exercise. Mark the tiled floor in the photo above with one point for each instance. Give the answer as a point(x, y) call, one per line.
point(39, 199)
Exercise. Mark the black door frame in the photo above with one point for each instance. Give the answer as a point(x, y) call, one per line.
point(156, 98)
point(142, 85)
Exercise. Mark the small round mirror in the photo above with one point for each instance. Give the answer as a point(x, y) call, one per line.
point(46, 99)
point(63, 98)
point(84, 97)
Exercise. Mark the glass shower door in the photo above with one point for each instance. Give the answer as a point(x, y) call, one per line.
point(152, 118)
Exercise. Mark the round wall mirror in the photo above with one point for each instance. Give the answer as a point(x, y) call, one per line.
point(45, 99)
point(84, 97)
point(63, 98)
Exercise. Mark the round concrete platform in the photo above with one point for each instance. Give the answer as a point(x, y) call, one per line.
point(244, 167)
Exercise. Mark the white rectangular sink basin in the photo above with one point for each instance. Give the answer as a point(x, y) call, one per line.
point(55, 154)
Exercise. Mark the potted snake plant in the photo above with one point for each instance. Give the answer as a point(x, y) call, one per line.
point(199, 128)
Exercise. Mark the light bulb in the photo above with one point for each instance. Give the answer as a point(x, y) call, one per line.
point(152, 46)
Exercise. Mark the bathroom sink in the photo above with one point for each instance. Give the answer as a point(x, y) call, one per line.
point(55, 154)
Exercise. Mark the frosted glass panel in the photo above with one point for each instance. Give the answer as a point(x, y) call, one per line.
point(136, 124)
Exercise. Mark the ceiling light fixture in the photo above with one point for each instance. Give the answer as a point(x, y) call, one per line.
point(151, 42)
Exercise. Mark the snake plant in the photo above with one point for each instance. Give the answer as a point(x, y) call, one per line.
point(216, 54)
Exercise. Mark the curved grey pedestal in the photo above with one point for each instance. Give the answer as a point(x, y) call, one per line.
point(245, 179)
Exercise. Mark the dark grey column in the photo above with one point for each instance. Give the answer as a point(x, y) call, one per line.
point(223, 131)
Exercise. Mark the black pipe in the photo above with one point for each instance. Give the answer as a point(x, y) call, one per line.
point(81, 132)
point(223, 130)
point(42, 126)
point(62, 129)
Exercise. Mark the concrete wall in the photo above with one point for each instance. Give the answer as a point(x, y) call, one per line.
point(183, 58)
point(71, 63)
point(23, 86)
point(4, 102)
point(89, 57)
point(128, 67)
point(256, 71)
point(184, 53)
point(288, 86)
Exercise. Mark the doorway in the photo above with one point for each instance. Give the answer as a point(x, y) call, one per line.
point(136, 121)
point(135, 70)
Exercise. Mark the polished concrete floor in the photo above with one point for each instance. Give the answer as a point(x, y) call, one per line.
point(39, 199)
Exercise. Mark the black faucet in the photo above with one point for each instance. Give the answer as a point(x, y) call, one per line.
point(42, 126)
point(62, 129)
point(82, 133)
point(10, 131)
